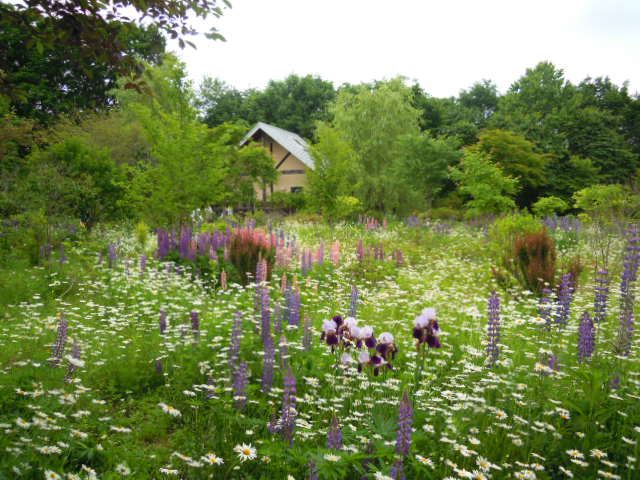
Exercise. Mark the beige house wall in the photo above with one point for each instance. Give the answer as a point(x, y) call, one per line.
point(285, 181)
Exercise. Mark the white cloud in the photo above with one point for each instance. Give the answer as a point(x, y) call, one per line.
point(445, 46)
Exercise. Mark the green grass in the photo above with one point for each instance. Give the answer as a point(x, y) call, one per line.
point(513, 416)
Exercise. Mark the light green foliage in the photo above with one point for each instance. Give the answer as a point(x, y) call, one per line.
point(488, 189)
point(142, 234)
point(335, 170)
point(607, 203)
point(550, 205)
point(347, 207)
point(424, 164)
point(373, 120)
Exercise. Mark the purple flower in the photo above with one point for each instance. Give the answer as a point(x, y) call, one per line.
point(426, 329)
point(353, 305)
point(397, 471)
point(195, 322)
point(334, 435)
point(493, 329)
point(240, 380)
point(284, 352)
point(112, 255)
point(236, 335)
point(627, 294)
point(545, 307)
point(268, 363)
point(74, 362)
point(289, 407)
point(143, 264)
point(565, 297)
point(61, 339)
point(405, 423)
point(586, 338)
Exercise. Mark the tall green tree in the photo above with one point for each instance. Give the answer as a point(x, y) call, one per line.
point(373, 120)
point(517, 158)
point(424, 163)
point(335, 170)
point(295, 103)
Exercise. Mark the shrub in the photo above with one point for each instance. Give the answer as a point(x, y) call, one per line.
point(288, 201)
point(504, 231)
point(246, 247)
point(346, 208)
point(535, 260)
point(549, 206)
point(142, 234)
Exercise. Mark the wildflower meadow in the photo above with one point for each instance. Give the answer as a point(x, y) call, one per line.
point(369, 350)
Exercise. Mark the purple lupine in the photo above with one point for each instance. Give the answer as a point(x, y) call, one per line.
point(306, 334)
point(405, 423)
point(112, 255)
point(586, 338)
point(627, 294)
point(261, 277)
point(266, 313)
point(164, 243)
point(74, 361)
point(493, 329)
point(565, 297)
point(236, 335)
point(353, 305)
point(63, 257)
point(601, 295)
point(277, 318)
point(334, 435)
point(294, 307)
point(143, 264)
point(553, 363)
point(289, 413)
point(163, 321)
point(268, 363)
point(240, 381)
point(195, 323)
point(313, 471)
point(397, 471)
point(159, 366)
point(61, 339)
point(545, 306)
point(185, 243)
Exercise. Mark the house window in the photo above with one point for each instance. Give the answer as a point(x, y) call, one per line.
point(296, 189)
point(292, 172)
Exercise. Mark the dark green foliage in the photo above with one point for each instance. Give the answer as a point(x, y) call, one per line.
point(70, 179)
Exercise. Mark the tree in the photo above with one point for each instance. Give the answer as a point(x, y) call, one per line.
point(372, 121)
point(72, 179)
point(50, 66)
point(517, 158)
point(424, 163)
point(488, 189)
point(334, 172)
point(219, 103)
point(295, 103)
point(549, 206)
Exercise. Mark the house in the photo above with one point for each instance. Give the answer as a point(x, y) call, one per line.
point(290, 155)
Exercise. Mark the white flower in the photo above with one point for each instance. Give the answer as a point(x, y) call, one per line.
point(123, 469)
point(213, 459)
point(51, 475)
point(174, 412)
point(245, 452)
point(329, 457)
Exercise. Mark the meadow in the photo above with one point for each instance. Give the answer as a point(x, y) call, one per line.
point(366, 350)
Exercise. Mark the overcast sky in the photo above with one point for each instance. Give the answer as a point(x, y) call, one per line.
point(445, 45)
